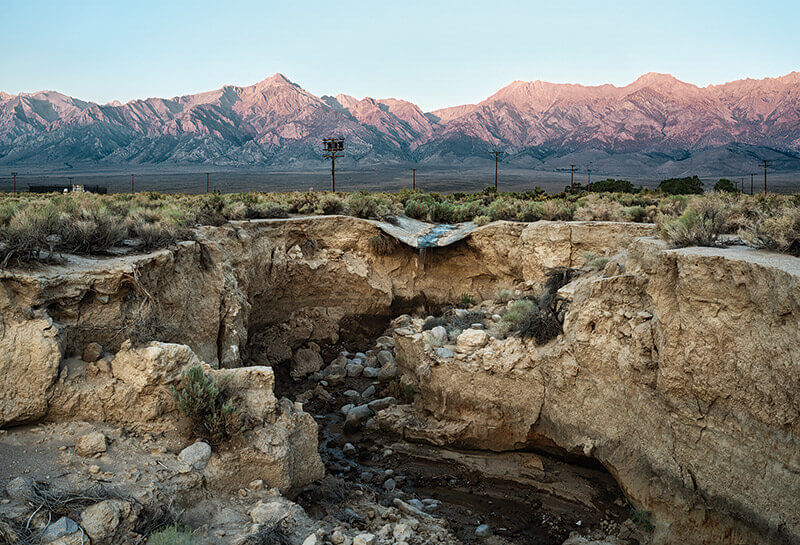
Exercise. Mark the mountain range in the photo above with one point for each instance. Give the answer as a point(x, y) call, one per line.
point(657, 123)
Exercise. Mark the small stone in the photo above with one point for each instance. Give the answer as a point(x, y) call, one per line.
point(348, 448)
point(305, 362)
point(387, 372)
point(384, 341)
point(94, 469)
point(444, 353)
point(267, 513)
point(385, 358)
point(346, 409)
point(90, 444)
point(370, 372)
point(20, 489)
point(195, 456)
point(401, 532)
point(258, 484)
point(355, 417)
point(337, 537)
point(380, 404)
point(368, 392)
point(389, 484)
point(92, 352)
point(476, 326)
point(102, 519)
point(471, 339)
point(334, 374)
point(483, 531)
point(364, 539)
point(59, 530)
point(311, 540)
point(439, 334)
point(361, 355)
point(354, 369)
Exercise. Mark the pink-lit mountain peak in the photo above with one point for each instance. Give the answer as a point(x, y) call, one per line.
point(276, 120)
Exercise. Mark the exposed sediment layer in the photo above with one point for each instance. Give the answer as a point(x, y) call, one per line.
point(678, 370)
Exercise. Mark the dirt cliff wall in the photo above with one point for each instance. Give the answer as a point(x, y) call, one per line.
point(681, 375)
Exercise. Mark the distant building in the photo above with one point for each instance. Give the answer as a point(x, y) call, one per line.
point(74, 188)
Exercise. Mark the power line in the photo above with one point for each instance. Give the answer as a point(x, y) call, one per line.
point(752, 174)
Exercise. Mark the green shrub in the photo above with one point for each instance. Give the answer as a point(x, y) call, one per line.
point(330, 204)
point(213, 415)
point(503, 209)
point(481, 220)
point(172, 535)
point(726, 185)
point(363, 205)
point(681, 186)
point(466, 299)
point(701, 225)
point(503, 296)
point(415, 209)
point(611, 185)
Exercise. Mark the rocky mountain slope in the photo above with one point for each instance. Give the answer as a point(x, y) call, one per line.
point(653, 121)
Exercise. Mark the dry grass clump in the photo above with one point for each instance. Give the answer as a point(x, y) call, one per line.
point(173, 534)
point(382, 244)
point(538, 317)
point(776, 228)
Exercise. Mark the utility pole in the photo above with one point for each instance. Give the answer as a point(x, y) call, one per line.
point(741, 189)
point(751, 181)
point(70, 178)
point(498, 155)
point(765, 165)
point(330, 147)
point(413, 179)
point(208, 182)
point(131, 183)
point(589, 180)
point(571, 179)
point(14, 182)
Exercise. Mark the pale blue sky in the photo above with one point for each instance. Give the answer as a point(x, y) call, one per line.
point(433, 53)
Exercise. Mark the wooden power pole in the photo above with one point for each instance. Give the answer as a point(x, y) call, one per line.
point(131, 183)
point(752, 174)
point(498, 155)
point(571, 179)
point(765, 165)
point(14, 181)
point(589, 180)
point(208, 182)
point(330, 147)
point(413, 179)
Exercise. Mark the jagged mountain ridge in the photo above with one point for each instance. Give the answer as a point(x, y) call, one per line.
point(655, 120)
